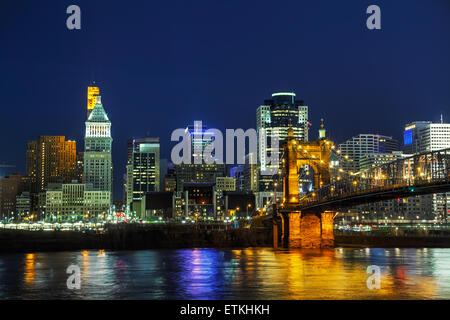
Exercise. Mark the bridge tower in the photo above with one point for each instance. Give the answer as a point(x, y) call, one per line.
point(305, 229)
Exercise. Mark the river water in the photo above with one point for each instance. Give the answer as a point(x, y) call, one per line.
point(253, 273)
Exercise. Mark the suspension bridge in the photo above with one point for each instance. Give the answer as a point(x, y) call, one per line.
point(307, 221)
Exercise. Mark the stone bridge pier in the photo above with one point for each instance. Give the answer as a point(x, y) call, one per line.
point(306, 230)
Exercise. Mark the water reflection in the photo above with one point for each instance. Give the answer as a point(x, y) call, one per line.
point(29, 268)
point(254, 273)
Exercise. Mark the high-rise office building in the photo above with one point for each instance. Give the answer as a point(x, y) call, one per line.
point(143, 167)
point(278, 114)
point(170, 179)
point(92, 93)
point(237, 172)
point(97, 149)
point(9, 190)
point(79, 167)
point(23, 204)
point(371, 160)
point(426, 136)
point(198, 170)
point(50, 159)
point(250, 173)
point(198, 176)
point(32, 165)
point(201, 173)
point(357, 147)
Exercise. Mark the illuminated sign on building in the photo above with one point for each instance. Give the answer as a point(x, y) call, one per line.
point(407, 137)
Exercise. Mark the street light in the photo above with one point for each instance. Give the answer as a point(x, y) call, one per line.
point(196, 220)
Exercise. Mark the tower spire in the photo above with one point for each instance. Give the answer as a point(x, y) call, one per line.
point(322, 130)
point(92, 93)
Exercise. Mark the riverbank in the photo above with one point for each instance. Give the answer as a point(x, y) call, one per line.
point(133, 238)
point(391, 241)
point(176, 237)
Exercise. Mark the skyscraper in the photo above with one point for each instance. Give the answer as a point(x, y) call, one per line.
point(32, 165)
point(9, 190)
point(97, 149)
point(250, 173)
point(50, 159)
point(278, 114)
point(198, 170)
point(357, 147)
point(79, 167)
point(425, 136)
point(143, 167)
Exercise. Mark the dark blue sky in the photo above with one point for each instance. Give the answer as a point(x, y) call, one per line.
point(163, 64)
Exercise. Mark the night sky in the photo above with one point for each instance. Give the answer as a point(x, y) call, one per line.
point(160, 65)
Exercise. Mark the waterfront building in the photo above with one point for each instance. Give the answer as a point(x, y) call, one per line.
point(75, 201)
point(240, 204)
point(23, 204)
point(200, 199)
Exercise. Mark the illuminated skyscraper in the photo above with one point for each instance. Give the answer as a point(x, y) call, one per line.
point(357, 147)
point(426, 136)
point(97, 149)
point(92, 94)
point(143, 167)
point(194, 172)
point(50, 159)
point(9, 189)
point(278, 114)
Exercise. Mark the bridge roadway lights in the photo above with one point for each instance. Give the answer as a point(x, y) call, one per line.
point(306, 230)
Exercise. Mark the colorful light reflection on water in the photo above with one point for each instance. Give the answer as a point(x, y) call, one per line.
point(253, 273)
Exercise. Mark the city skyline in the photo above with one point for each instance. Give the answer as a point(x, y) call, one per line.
point(359, 81)
point(117, 189)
